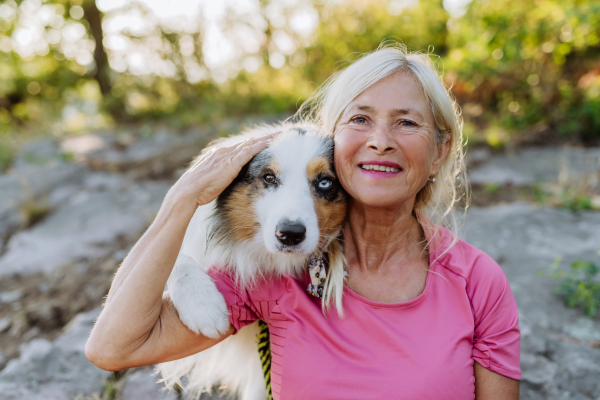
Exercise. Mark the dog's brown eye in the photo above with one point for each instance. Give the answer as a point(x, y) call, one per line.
point(269, 178)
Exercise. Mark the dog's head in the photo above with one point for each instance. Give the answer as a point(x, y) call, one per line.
point(287, 198)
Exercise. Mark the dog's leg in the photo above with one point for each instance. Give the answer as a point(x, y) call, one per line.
point(240, 365)
point(255, 388)
point(195, 296)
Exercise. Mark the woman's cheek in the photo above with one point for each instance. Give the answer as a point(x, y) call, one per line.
point(343, 156)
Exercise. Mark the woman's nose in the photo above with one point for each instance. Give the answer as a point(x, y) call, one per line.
point(381, 140)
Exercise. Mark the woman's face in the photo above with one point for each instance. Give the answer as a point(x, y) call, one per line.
point(385, 146)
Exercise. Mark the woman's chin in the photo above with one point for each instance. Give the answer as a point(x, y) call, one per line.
point(383, 200)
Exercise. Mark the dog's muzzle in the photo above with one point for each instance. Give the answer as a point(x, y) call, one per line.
point(290, 233)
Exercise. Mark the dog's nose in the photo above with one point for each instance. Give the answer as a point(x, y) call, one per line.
point(290, 233)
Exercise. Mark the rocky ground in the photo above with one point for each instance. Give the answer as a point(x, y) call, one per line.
point(70, 210)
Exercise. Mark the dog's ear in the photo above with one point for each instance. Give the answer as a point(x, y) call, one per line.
point(241, 178)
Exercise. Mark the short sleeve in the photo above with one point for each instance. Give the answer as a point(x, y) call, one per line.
point(497, 339)
point(241, 309)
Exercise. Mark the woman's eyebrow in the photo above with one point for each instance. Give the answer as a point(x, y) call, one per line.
point(395, 112)
point(406, 111)
point(360, 108)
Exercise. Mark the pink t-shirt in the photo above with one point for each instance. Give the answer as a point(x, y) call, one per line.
point(420, 349)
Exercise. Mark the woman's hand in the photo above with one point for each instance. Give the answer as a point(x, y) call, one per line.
point(214, 170)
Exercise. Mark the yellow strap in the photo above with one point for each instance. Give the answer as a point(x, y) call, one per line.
point(264, 352)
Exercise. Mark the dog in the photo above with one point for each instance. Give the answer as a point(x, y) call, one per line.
point(285, 206)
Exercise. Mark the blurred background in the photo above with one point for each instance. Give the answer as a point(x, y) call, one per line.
point(103, 103)
point(522, 70)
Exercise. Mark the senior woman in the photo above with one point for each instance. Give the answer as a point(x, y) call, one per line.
point(427, 315)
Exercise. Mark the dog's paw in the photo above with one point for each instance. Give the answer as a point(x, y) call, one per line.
point(200, 305)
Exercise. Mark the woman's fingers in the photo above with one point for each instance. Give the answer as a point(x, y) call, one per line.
point(254, 141)
point(218, 167)
point(248, 149)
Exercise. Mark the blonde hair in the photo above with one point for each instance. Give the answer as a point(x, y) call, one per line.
point(436, 202)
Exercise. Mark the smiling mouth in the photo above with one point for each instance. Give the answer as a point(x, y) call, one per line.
point(379, 168)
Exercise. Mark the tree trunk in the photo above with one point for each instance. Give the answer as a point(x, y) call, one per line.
point(94, 18)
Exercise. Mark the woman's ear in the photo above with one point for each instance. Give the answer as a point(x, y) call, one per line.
point(440, 156)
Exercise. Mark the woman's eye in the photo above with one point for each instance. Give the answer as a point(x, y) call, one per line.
point(359, 120)
point(269, 178)
point(325, 183)
point(406, 122)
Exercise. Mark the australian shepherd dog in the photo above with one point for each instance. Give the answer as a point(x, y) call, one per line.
point(285, 206)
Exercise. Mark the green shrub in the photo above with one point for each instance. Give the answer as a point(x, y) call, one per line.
point(580, 287)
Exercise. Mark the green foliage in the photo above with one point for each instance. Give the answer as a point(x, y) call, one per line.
point(517, 67)
point(577, 201)
point(529, 64)
point(492, 187)
point(352, 27)
point(580, 287)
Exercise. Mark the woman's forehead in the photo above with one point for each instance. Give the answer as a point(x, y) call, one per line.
point(397, 94)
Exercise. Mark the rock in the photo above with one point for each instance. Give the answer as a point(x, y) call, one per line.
point(538, 371)
point(29, 186)
point(142, 385)
point(101, 181)
point(47, 316)
point(9, 297)
point(19, 325)
point(527, 166)
point(158, 155)
point(79, 146)
point(477, 156)
point(583, 329)
point(556, 360)
point(525, 239)
point(531, 341)
point(86, 226)
point(5, 324)
point(120, 255)
point(38, 152)
point(54, 370)
point(579, 370)
point(537, 379)
point(30, 334)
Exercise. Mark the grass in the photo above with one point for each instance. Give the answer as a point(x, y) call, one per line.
point(492, 187)
point(34, 210)
point(113, 385)
point(7, 153)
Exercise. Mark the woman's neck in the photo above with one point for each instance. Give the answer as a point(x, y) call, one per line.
point(376, 238)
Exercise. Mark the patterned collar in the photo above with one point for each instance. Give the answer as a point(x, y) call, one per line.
point(317, 267)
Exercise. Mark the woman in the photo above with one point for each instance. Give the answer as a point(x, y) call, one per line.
point(427, 315)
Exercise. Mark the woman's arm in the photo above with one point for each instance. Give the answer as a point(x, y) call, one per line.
point(490, 385)
point(137, 325)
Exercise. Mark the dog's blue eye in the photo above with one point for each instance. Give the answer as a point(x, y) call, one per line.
point(325, 183)
point(269, 178)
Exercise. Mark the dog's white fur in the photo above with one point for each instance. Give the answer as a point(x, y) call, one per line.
point(234, 362)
